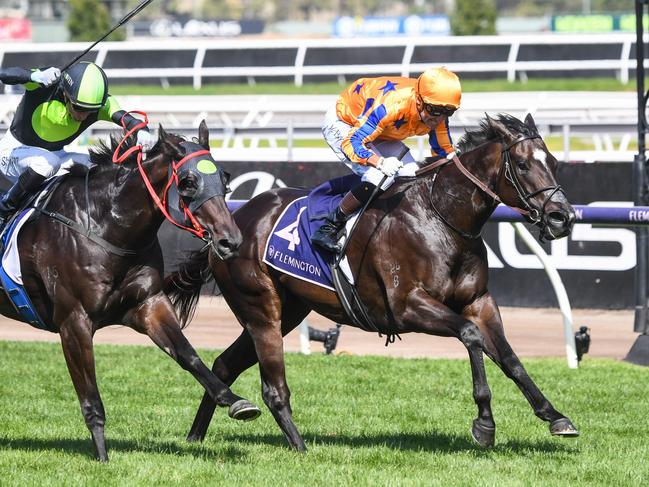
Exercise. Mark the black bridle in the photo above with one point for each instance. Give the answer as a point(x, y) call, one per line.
point(534, 215)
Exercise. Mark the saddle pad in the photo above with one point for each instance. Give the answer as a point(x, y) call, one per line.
point(288, 248)
point(10, 257)
point(10, 274)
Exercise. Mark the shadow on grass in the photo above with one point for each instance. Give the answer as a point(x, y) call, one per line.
point(432, 441)
point(85, 448)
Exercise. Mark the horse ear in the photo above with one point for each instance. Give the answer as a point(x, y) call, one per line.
point(529, 121)
point(204, 135)
point(168, 143)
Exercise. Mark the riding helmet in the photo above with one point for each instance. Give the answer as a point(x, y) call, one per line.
point(86, 86)
point(439, 87)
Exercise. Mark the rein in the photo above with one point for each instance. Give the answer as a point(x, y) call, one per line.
point(196, 228)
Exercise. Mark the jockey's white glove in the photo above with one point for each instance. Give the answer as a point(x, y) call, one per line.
point(389, 166)
point(146, 140)
point(47, 77)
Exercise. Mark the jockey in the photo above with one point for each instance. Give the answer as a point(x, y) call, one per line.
point(366, 128)
point(52, 113)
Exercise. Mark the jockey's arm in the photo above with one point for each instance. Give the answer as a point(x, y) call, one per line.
point(440, 141)
point(15, 76)
point(112, 112)
point(366, 130)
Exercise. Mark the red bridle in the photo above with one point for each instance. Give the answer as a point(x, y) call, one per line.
point(196, 229)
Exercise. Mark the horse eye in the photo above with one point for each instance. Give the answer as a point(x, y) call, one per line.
point(521, 164)
point(187, 186)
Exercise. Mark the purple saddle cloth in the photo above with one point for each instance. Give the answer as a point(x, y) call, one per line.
point(289, 248)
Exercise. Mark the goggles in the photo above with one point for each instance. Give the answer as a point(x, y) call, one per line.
point(437, 110)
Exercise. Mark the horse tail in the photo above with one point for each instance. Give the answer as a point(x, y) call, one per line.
point(183, 287)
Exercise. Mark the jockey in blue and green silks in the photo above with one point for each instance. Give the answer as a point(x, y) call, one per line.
point(52, 113)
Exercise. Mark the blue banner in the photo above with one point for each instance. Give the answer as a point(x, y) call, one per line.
point(413, 25)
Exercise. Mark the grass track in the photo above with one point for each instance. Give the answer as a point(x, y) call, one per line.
point(366, 421)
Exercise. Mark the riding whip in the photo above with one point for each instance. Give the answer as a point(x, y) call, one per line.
point(125, 19)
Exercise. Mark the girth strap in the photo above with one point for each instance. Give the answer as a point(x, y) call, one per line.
point(91, 236)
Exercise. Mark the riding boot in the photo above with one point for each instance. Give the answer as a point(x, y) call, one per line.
point(27, 182)
point(329, 233)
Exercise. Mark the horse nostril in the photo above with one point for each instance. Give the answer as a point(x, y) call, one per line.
point(557, 219)
point(227, 244)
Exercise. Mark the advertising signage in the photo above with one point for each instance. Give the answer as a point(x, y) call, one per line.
point(412, 25)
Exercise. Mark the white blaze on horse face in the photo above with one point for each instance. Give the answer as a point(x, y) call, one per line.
point(540, 155)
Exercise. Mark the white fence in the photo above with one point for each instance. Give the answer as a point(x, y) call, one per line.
point(297, 59)
point(246, 123)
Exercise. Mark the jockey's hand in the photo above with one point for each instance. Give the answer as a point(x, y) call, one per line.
point(389, 166)
point(47, 77)
point(146, 140)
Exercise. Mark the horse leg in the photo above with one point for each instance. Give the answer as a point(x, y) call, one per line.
point(157, 319)
point(484, 312)
point(425, 314)
point(76, 340)
point(241, 355)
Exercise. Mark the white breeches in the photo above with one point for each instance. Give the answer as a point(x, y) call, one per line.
point(15, 158)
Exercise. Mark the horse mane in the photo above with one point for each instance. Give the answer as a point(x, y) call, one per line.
point(488, 133)
point(183, 287)
point(102, 153)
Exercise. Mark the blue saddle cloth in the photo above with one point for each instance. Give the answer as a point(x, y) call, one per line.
point(16, 292)
point(289, 248)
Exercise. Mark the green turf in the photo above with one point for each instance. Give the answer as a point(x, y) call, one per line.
point(366, 421)
point(468, 86)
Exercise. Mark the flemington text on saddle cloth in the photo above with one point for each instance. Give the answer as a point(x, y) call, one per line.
point(288, 248)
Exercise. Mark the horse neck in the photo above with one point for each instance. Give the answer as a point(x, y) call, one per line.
point(460, 201)
point(136, 217)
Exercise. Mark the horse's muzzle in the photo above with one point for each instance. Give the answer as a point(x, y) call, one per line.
point(226, 248)
point(557, 222)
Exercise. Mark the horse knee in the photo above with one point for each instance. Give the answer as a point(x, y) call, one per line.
point(471, 337)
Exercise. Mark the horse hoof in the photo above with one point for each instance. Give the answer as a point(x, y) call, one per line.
point(244, 410)
point(563, 427)
point(484, 436)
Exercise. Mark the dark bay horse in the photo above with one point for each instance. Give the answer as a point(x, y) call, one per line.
point(79, 285)
point(419, 262)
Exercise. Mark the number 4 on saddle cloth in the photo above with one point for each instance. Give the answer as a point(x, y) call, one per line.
point(289, 248)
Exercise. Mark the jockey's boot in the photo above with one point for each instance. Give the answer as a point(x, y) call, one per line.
point(27, 182)
point(329, 233)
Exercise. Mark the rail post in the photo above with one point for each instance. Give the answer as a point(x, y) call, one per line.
point(639, 353)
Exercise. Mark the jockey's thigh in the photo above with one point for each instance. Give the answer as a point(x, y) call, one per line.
point(69, 159)
point(15, 158)
point(393, 148)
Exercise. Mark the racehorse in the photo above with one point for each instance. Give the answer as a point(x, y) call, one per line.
point(419, 262)
point(96, 260)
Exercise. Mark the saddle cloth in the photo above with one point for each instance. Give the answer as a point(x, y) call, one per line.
point(288, 248)
point(10, 275)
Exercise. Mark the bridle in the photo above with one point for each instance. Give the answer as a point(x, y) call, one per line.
point(196, 229)
point(532, 214)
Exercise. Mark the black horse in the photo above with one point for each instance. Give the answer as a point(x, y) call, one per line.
point(419, 262)
point(81, 282)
